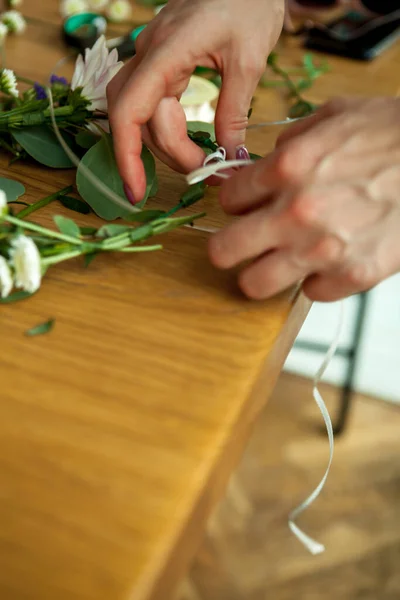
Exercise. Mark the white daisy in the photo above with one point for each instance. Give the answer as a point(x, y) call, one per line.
point(25, 259)
point(73, 7)
point(8, 82)
point(14, 21)
point(6, 280)
point(3, 32)
point(119, 11)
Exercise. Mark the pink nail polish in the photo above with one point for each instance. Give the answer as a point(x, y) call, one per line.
point(129, 194)
point(242, 153)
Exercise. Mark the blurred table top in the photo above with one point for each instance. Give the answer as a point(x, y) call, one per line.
point(119, 429)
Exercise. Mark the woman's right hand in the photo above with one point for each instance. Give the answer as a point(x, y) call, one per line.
point(232, 36)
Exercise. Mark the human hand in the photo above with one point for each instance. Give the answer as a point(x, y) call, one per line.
point(232, 36)
point(324, 207)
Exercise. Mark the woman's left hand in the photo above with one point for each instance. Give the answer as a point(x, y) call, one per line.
point(324, 207)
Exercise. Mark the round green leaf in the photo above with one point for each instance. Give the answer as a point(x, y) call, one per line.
point(42, 144)
point(12, 189)
point(195, 126)
point(100, 159)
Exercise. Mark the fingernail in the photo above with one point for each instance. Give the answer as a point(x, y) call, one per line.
point(129, 194)
point(242, 153)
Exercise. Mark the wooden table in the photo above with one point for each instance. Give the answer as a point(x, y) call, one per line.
point(119, 430)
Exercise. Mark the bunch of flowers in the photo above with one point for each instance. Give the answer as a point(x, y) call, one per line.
point(116, 11)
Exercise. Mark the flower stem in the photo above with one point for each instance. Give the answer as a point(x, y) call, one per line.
point(44, 202)
point(25, 80)
point(141, 248)
point(39, 229)
point(53, 260)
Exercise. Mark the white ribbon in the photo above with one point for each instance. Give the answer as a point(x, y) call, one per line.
point(312, 545)
point(213, 164)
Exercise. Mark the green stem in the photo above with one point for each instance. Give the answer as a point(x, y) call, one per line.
point(53, 260)
point(44, 202)
point(142, 248)
point(46, 232)
point(289, 83)
point(7, 146)
point(25, 80)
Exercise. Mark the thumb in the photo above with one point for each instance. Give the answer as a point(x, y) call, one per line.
point(231, 119)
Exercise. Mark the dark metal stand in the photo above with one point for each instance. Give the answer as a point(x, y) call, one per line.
point(352, 356)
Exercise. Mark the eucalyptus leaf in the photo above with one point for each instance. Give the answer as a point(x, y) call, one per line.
point(86, 140)
point(15, 297)
point(200, 126)
point(154, 188)
point(67, 226)
point(75, 204)
point(302, 108)
point(41, 143)
point(41, 329)
point(100, 159)
point(12, 189)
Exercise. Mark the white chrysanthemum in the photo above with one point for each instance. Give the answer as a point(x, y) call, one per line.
point(119, 11)
point(73, 7)
point(3, 32)
point(3, 203)
point(6, 280)
point(98, 5)
point(14, 21)
point(25, 259)
point(8, 82)
point(94, 72)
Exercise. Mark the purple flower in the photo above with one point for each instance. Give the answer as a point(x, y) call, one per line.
point(55, 79)
point(40, 92)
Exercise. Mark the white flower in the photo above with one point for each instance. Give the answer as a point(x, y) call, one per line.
point(73, 7)
point(14, 3)
point(25, 259)
point(119, 11)
point(3, 32)
point(6, 280)
point(14, 21)
point(3, 203)
point(8, 82)
point(94, 72)
point(97, 5)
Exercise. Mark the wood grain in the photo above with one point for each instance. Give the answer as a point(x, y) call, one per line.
point(121, 427)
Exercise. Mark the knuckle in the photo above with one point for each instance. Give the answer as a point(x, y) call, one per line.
point(286, 161)
point(304, 209)
point(328, 250)
point(360, 276)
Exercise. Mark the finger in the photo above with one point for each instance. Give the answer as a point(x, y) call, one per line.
point(168, 129)
point(338, 284)
point(331, 108)
point(238, 87)
point(135, 105)
point(247, 238)
point(270, 275)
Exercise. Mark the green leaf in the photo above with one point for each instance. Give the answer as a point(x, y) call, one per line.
point(67, 226)
point(15, 297)
point(41, 329)
point(88, 230)
point(154, 188)
point(42, 144)
point(302, 108)
point(19, 202)
point(108, 231)
point(193, 194)
point(88, 258)
point(100, 159)
point(75, 204)
point(12, 189)
point(86, 140)
point(254, 156)
point(199, 127)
